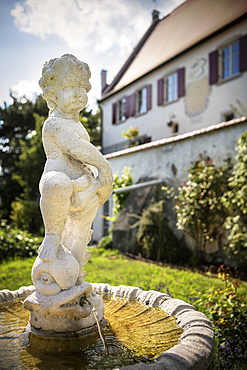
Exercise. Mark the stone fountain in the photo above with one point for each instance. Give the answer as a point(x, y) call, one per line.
point(77, 179)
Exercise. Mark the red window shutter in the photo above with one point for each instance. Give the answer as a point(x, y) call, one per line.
point(181, 82)
point(213, 67)
point(160, 84)
point(114, 113)
point(132, 103)
point(243, 53)
point(149, 97)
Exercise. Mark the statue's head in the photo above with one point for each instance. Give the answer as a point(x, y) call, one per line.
point(62, 70)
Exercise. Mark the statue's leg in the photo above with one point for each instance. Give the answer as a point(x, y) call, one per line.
point(56, 190)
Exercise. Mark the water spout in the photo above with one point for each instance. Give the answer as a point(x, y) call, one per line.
point(99, 329)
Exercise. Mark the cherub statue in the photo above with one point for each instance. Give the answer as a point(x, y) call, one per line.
point(77, 178)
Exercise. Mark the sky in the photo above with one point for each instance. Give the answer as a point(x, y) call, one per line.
point(101, 33)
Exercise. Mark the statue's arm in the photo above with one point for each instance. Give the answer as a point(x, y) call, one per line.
point(72, 144)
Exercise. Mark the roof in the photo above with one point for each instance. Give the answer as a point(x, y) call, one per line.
point(189, 24)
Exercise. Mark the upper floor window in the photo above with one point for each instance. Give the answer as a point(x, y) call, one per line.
point(142, 100)
point(131, 105)
point(171, 87)
point(171, 83)
point(121, 105)
point(230, 60)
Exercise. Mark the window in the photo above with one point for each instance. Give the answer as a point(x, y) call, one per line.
point(230, 60)
point(131, 105)
point(171, 87)
point(142, 100)
point(171, 83)
point(121, 110)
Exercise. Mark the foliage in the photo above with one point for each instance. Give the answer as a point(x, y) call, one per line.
point(16, 243)
point(119, 198)
point(21, 150)
point(154, 234)
point(130, 134)
point(26, 215)
point(236, 201)
point(121, 182)
point(227, 312)
point(106, 241)
point(200, 212)
point(25, 209)
point(17, 124)
point(92, 122)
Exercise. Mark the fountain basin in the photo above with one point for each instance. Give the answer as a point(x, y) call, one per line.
point(196, 342)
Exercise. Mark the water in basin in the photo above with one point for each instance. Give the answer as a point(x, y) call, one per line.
point(135, 333)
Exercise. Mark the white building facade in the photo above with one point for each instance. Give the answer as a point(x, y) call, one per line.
point(183, 76)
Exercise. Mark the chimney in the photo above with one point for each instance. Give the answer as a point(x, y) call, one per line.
point(155, 15)
point(103, 80)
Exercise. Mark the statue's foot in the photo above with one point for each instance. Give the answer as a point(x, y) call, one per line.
point(49, 247)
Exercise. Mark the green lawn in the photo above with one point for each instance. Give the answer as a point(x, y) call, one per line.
point(109, 266)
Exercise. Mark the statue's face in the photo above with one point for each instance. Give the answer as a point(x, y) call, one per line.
point(71, 94)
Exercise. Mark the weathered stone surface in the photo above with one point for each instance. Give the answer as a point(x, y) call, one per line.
point(196, 343)
point(196, 347)
point(7, 295)
point(76, 180)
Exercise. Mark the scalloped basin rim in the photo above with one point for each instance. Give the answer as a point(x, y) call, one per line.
point(196, 343)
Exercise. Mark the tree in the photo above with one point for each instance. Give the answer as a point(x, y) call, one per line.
point(22, 156)
point(25, 208)
point(92, 123)
point(17, 124)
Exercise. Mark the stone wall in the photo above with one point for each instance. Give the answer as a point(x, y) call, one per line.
point(170, 160)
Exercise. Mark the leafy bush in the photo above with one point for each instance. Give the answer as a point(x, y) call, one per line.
point(228, 315)
point(130, 134)
point(16, 243)
point(199, 209)
point(236, 201)
point(121, 182)
point(26, 214)
point(106, 241)
point(154, 235)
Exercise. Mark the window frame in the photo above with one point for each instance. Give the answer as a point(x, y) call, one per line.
point(229, 46)
point(141, 104)
point(162, 87)
point(166, 86)
point(121, 110)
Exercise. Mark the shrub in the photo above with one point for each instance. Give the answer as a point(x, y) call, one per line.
point(154, 236)
point(236, 201)
point(228, 315)
point(106, 241)
point(121, 182)
point(131, 134)
point(26, 215)
point(200, 212)
point(16, 243)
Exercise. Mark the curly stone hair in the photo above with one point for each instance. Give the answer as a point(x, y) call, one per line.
point(50, 73)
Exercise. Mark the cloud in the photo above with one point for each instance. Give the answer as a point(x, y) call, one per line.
point(96, 24)
point(27, 88)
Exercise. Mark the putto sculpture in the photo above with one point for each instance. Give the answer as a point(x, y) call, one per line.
point(77, 179)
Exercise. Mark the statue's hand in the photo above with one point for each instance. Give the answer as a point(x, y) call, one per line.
point(105, 176)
